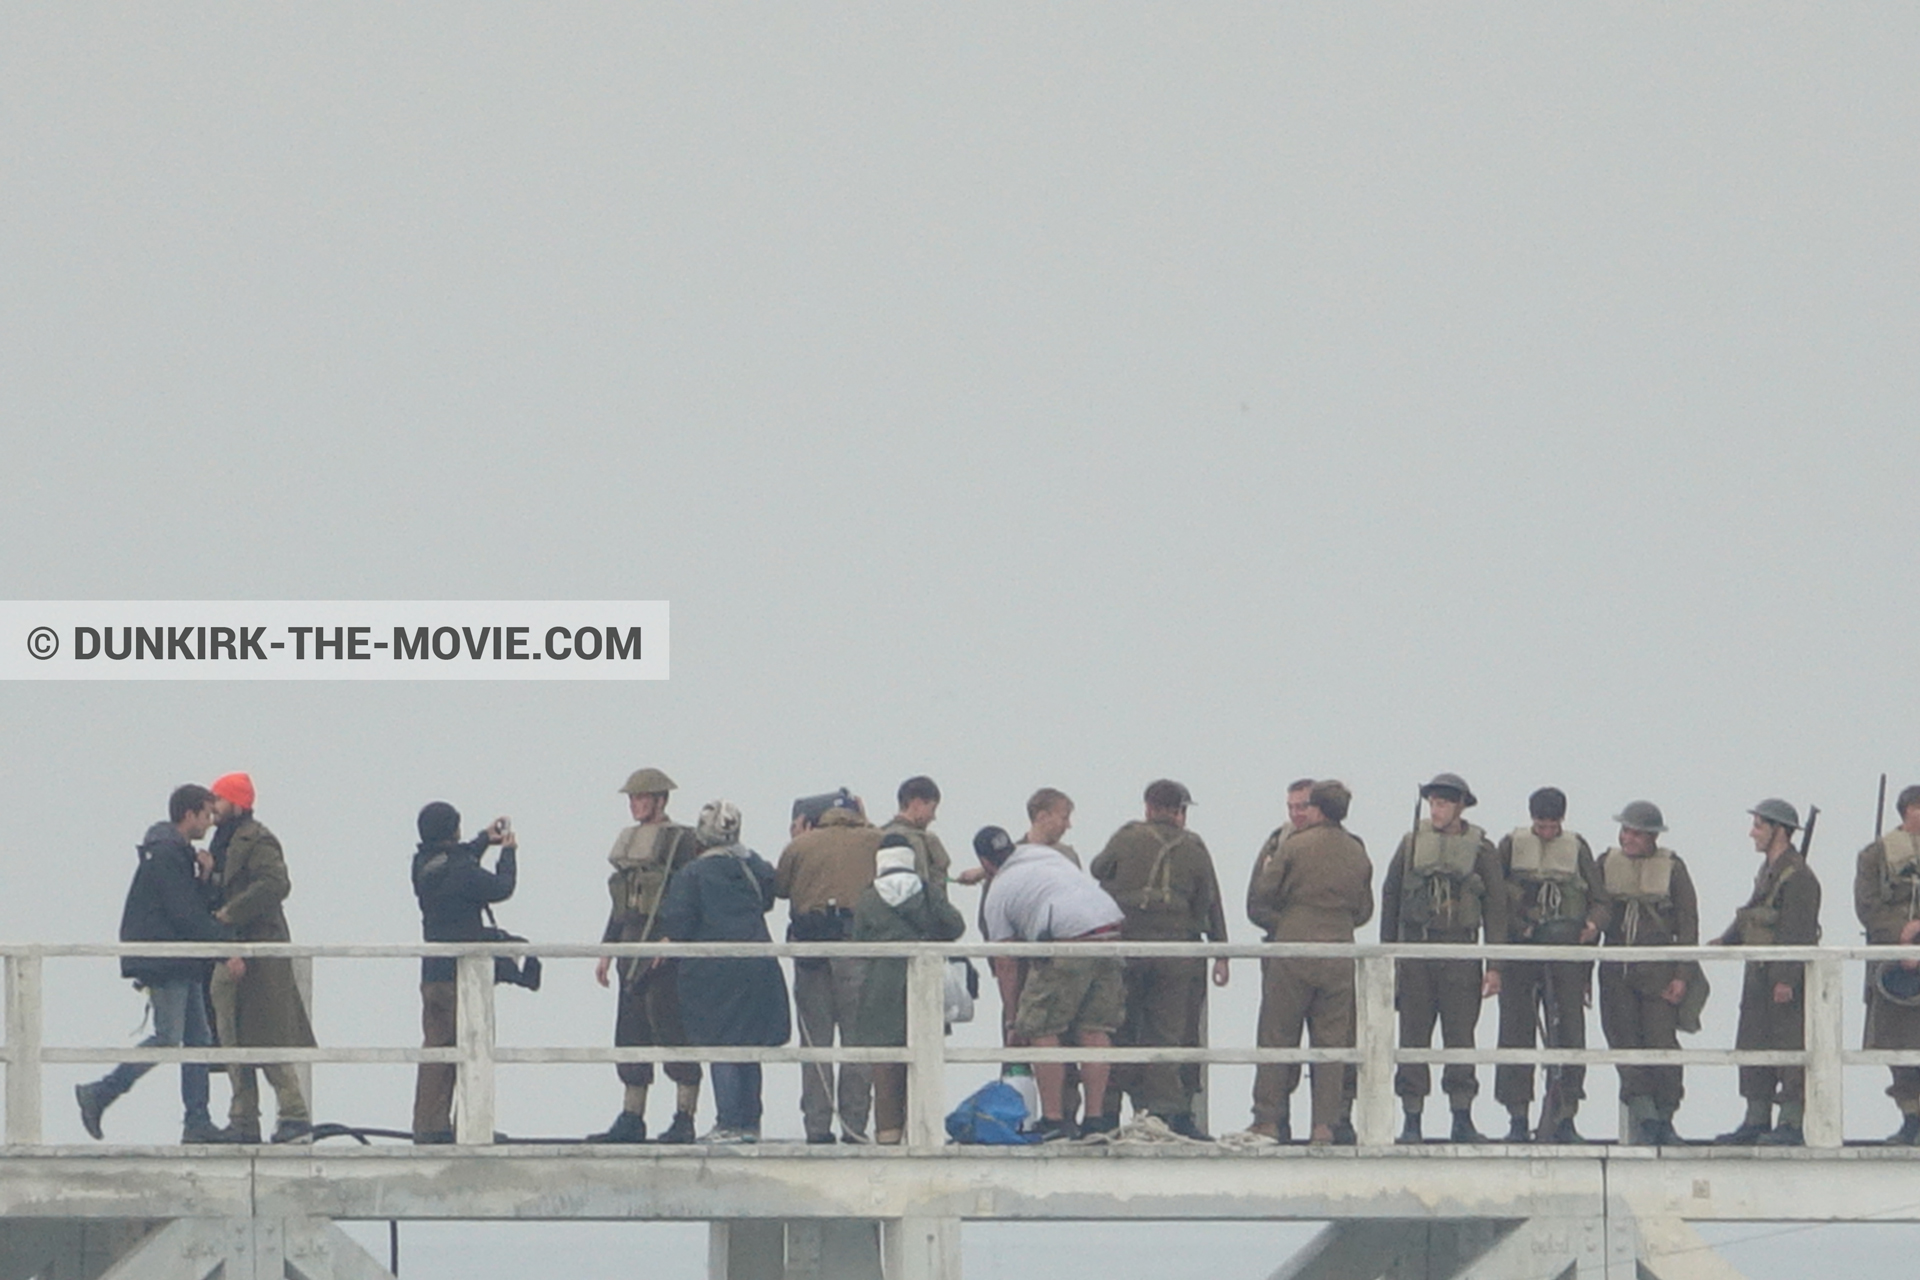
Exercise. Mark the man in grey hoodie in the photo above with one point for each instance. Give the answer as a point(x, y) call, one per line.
point(168, 901)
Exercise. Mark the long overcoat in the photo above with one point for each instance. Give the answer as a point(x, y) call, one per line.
point(724, 896)
point(253, 883)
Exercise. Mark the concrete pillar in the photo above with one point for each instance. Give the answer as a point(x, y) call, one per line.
point(746, 1249)
point(473, 1091)
point(923, 1249)
point(833, 1249)
point(1670, 1249)
point(1352, 1251)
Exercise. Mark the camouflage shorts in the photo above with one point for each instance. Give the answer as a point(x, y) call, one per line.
point(1071, 993)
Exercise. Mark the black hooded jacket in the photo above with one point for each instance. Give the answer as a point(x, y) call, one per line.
point(453, 889)
point(167, 903)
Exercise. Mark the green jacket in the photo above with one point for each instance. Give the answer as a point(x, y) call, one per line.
point(881, 1018)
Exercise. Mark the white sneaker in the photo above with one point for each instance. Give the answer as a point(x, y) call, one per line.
point(722, 1137)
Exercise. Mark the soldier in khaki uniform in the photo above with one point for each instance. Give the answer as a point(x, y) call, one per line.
point(1162, 876)
point(1443, 885)
point(823, 873)
point(645, 856)
point(1784, 911)
point(1316, 887)
point(1557, 899)
point(1268, 1096)
point(919, 799)
point(1886, 897)
point(1653, 905)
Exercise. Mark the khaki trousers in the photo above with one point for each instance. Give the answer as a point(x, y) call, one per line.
point(648, 1015)
point(1634, 1016)
point(1523, 985)
point(1447, 991)
point(1766, 1025)
point(1317, 995)
point(1895, 1026)
point(433, 1085)
point(1164, 1003)
point(826, 996)
point(289, 1102)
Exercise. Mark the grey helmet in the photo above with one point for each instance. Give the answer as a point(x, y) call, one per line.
point(1778, 812)
point(647, 782)
point(1451, 782)
point(1642, 815)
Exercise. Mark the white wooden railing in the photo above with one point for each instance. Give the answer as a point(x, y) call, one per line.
point(927, 1053)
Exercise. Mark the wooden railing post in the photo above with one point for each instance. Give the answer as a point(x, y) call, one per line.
point(926, 1051)
point(474, 1090)
point(1824, 1125)
point(23, 1050)
point(1373, 1106)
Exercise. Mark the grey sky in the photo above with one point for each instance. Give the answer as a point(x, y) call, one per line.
point(1065, 396)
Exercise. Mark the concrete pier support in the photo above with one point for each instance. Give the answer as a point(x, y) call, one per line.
point(183, 1249)
point(1547, 1248)
point(914, 1248)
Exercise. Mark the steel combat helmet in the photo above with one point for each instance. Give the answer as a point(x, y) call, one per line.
point(647, 782)
point(1778, 812)
point(1642, 815)
point(1450, 786)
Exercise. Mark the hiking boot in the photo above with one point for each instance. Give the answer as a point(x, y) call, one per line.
point(292, 1131)
point(819, 1139)
point(1782, 1135)
point(1045, 1130)
point(1517, 1130)
point(1095, 1126)
point(238, 1133)
point(197, 1131)
point(1182, 1124)
point(679, 1132)
point(1410, 1135)
point(93, 1102)
point(628, 1126)
point(1909, 1133)
point(888, 1137)
point(1564, 1133)
point(1463, 1130)
point(855, 1138)
point(1747, 1135)
point(1281, 1132)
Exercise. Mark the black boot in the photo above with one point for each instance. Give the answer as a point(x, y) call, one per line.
point(1410, 1135)
point(1182, 1124)
point(1463, 1130)
point(1517, 1130)
point(680, 1131)
point(1564, 1133)
point(626, 1127)
point(1343, 1134)
point(1909, 1134)
point(1747, 1135)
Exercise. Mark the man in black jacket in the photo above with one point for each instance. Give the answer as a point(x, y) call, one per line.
point(454, 890)
point(168, 901)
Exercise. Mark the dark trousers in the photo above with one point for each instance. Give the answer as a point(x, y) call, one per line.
point(433, 1084)
point(1165, 999)
point(649, 1014)
point(179, 1021)
point(889, 1097)
point(1315, 995)
point(736, 1095)
point(1524, 986)
point(1447, 991)
point(1895, 1026)
point(1634, 1016)
point(1766, 1025)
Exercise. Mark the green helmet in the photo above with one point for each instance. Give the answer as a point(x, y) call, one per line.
point(648, 782)
point(1642, 815)
point(1778, 812)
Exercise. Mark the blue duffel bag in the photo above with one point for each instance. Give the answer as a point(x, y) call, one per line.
point(991, 1116)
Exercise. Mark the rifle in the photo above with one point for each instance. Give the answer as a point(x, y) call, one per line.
point(1549, 1015)
point(1806, 834)
point(1880, 810)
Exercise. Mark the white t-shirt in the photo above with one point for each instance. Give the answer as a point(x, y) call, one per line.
point(1038, 896)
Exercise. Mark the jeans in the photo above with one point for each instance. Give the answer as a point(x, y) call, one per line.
point(179, 1020)
point(736, 1095)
